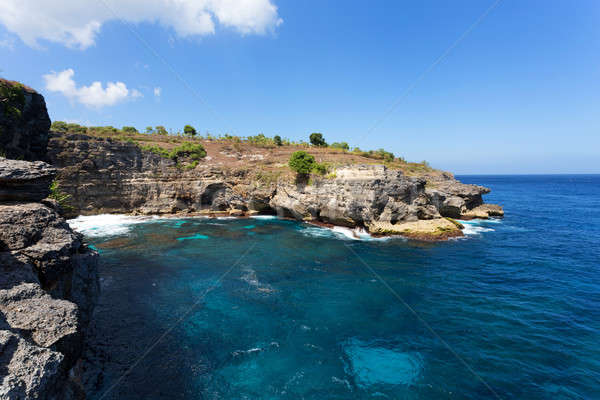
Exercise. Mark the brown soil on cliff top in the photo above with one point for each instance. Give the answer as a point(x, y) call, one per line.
point(270, 158)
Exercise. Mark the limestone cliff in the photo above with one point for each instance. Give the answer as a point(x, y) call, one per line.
point(107, 175)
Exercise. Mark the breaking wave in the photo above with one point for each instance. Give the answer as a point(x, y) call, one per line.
point(105, 224)
point(478, 226)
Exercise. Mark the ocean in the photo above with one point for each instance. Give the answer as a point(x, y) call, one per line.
point(264, 308)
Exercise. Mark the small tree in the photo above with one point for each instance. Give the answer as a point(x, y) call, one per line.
point(277, 140)
point(302, 162)
point(316, 139)
point(189, 130)
point(161, 130)
point(129, 129)
point(59, 126)
point(342, 145)
point(149, 129)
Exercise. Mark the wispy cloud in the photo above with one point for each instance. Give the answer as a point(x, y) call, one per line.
point(157, 91)
point(94, 95)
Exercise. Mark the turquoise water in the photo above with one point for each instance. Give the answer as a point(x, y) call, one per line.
point(275, 309)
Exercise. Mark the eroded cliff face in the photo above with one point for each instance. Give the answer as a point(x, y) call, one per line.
point(24, 122)
point(48, 288)
point(104, 175)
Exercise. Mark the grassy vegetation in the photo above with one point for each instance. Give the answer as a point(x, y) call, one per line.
point(193, 151)
point(12, 98)
point(155, 137)
point(61, 197)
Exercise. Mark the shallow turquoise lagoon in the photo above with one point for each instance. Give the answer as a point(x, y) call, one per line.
point(275, 309)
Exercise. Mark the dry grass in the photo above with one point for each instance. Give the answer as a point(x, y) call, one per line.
point(268, 160)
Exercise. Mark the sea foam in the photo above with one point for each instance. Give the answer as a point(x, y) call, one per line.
point(266, 217)
point(478, 226)
point(105, 224)
point(339, 232)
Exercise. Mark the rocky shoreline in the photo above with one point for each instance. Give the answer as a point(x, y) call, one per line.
point(49, 277)
point(108, 176)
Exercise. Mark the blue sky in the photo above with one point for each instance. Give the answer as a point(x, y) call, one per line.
point(519, 94)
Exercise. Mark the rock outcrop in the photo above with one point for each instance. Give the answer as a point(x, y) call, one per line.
point(24, 122)
point(25, 181)
point(106, 175)
point(48, 287)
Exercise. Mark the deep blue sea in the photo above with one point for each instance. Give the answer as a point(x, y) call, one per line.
point(275, 309)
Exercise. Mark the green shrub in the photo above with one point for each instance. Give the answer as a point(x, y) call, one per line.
point(302, 162)
point(156, 150)
point(189, 130)
point(316, 139)
point(192, 165)
point(63, 127)
point(341, 145)
point(149, 129)
point(320, 168)
point(161, 130)
point(277, 140)
point(384, 155)
point(261, 140)
point(59, 126)
point(129, 129)
point(103, 130)
point(195, 151)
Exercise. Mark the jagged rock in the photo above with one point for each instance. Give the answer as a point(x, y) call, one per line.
point(433, 229)
point(357, 195)
point(483, 211)
point(25, 181)
point(51, 322)
point(48, 289)
point(28, 371)
point(24, 122)
point(453, 207)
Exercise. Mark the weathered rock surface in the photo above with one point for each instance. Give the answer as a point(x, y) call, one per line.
point(104, 175)
point(25, 181)
point(48, 288)
point(423, 229)
point(24, 122)
point(29, 371)
point(358, 195)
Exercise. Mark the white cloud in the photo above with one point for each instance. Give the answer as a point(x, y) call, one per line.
point(94, 95)
point(157, 91)
point(76, 23)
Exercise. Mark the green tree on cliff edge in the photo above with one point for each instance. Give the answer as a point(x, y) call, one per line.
point(316, 139)
point(189, 130)
point(302, 162)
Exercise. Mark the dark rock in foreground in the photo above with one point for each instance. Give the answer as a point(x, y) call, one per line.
point(25, 181)
point(48, 288)
point(24, 122)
